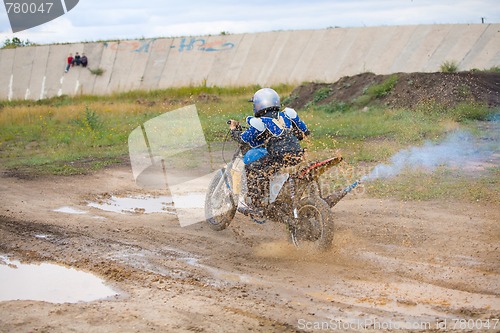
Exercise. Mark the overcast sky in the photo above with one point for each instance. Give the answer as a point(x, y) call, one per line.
point(93, 20)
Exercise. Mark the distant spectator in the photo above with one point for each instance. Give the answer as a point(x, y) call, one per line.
point(70, 62)
point(77, 59)
point(84, 60)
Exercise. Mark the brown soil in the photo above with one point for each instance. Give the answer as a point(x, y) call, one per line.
point(411, 89)
point(393, 263)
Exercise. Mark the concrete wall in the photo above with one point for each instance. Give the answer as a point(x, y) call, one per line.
point(235, 60)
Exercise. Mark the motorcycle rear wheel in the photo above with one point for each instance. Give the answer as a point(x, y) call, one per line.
point(220, 206)
point(315, 224)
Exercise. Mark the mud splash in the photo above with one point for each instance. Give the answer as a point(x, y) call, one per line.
point(221, 274)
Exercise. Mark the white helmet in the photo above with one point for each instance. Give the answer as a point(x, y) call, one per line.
point(263, 99)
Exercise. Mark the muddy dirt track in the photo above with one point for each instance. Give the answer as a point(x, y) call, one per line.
point(395, 265)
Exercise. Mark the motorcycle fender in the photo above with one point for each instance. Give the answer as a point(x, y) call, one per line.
point(276, 184)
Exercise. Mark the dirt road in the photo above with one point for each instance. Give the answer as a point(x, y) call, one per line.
point(395, 265)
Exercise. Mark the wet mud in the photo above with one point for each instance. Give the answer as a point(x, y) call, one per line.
point(394, 265)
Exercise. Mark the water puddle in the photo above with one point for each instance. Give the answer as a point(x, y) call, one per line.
point(150, 204)
point(42, 236)
point(49, 283)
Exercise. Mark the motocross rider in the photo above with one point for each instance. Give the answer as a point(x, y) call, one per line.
point(271, 142)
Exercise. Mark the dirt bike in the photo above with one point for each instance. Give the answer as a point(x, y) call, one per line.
point(294, 199)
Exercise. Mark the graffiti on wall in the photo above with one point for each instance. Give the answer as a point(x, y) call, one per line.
point(184, 44)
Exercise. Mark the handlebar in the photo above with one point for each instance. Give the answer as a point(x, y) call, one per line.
point(238, 127)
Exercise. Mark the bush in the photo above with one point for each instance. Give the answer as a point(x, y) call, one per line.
point(90, 120)
point(449, 66)
point(494, 69)
point(97, 71)
point(16, 42)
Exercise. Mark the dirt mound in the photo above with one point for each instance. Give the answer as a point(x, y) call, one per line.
point(404, 90)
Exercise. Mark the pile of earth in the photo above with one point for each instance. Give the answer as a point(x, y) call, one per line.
point(409, 89)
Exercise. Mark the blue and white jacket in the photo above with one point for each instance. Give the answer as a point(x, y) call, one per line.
point(263, 128)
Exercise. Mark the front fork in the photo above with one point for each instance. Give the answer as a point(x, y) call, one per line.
point(225, 182)
point(292, 227)
point(294, 200)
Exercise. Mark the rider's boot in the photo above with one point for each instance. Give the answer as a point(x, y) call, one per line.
point(257, 205)
point(253, 208)
point(254, 192)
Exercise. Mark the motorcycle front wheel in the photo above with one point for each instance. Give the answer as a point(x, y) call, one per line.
point(314, 224)
point(220, 205)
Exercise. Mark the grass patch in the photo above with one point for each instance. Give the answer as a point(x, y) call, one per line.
point(382, 89)
point(443, 184)
point(399, 125)
point(375, 91)
point(43, 137)
point(493, 69)
point(460, 113)
point(77, 135)
point(371, 93)
point(321, 94)
point(32, 167)
point(334, 107)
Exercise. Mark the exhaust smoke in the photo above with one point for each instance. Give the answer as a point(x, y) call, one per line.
point(458, 147)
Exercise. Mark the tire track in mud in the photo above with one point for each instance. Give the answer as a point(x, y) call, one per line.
point(163, 269)
point(390, 262)
point(389, 274)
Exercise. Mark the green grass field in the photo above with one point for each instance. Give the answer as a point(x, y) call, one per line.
point(77, 135)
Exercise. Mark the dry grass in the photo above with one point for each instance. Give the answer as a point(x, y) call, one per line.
point(77, 135)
